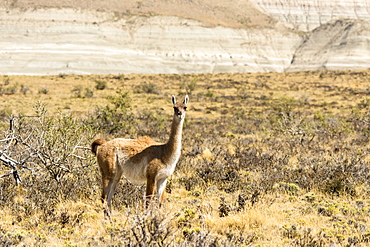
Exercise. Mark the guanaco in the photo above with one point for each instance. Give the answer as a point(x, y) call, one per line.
point(140, 160)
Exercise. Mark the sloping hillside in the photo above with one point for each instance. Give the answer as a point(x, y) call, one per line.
point(306, 15)
point(340, 44)
point(231, 13)
point(67, 40)
point(105, 37)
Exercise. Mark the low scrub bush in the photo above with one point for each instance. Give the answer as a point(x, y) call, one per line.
point(49, 158)
point(276, 151)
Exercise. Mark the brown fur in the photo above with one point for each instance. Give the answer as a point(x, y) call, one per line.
point(96, 144)
point(141, 159)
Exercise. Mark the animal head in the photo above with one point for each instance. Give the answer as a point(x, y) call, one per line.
point(180, 108)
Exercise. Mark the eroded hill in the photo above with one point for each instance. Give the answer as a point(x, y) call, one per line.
point(112, 37)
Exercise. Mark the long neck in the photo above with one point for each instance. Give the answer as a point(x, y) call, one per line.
point(173, 146)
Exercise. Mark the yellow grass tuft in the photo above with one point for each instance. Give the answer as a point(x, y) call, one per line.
point(207, 154)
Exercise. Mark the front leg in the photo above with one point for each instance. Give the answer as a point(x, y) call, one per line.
point(161, 186)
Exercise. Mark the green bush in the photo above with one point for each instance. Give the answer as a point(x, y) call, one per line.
point(116, 117)
point(81, 92)
point(100, 85)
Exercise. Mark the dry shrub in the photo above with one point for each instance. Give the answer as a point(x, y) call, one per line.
point(250, 156)
point(49, 158)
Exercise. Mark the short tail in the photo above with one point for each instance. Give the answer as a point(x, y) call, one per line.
point(96, 144)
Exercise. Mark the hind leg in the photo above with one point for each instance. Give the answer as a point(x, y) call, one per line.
point(111, 189)
point(104, 194)
point(106, 188)
point(150, 190)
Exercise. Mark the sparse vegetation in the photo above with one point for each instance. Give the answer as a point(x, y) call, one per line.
point(80, 92)
point(100, 85)
point(268, 159)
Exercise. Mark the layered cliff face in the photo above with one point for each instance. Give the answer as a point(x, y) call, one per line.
point(338, 32)
point(306, 15)
point(337, 45)
point(56, 41)
point(305, 35)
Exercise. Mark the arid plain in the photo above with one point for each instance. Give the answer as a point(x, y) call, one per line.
point(269, 159)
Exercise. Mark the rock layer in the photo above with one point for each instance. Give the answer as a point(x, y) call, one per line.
point(53, 41)
point(337, 45)
point(306, 15)
point(307, 36)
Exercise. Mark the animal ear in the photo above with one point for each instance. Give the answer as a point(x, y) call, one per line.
point(186, 100)
point(173, 100)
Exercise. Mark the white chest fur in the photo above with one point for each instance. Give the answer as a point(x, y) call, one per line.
point(169, 168)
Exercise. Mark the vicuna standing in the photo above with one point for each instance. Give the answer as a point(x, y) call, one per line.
point(140, 159)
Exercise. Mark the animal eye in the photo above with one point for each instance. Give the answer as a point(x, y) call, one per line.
point(185, 108)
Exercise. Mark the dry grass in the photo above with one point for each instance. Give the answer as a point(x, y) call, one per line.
point(212, 13)
point(329, 92)
point(268, 159)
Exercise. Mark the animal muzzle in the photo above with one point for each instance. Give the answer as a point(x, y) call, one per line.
point(180, 115)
